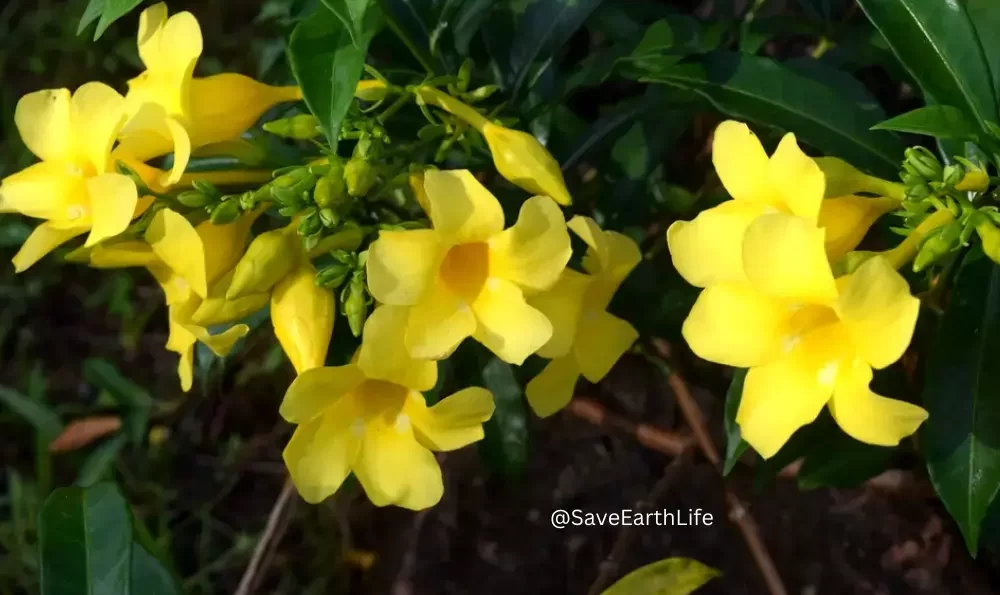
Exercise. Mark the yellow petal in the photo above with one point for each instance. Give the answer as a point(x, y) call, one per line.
point(43, 239)
point(453, 422)
point(269, 257)
point(218, 309)
point(797, 179)
point(847, 219)
point(878, 312)
point(45, 190)
point(322, 451)
point(402, 264)
point(145, 136)
point(222, 343)
point(394, 468)
point(384, 357)
point(462, 210)
point(611, 255)
point(553, 388)
point(784, 256)
point(600, 342)
point(843, 179)
point(437, 324)
point(169, 46)
point(562, 305)
point(869, 417)
point(178, 245)
point(742, 164)
point(534, 251)
point(182, 151)
point(113, 198)
point(786, 394)
point(302, 314)
point(98, 117)
point(315, 390)
point(508, 326)
point(709, 249)
point(224, 106)
point(735, 325)
point(43, 119)
point(122, 254)
point(225, 244)
point(522, 160)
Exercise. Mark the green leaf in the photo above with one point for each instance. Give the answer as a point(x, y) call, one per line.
point(352, 15)
point(939, 121)
point(104, 12)
point(327, 65)
point(672, 576)
point(938, 45)
point(985, 17)
point(45, 421)
point(840, 461)
point(470, 17)
point(134, 399)
point(765, 92)
point(149, 575)
point(99, 462)
point(505, 445)
point(962, 395)
point(735, 444)
point(85, 542)
point(544, 28)
point(631, 152)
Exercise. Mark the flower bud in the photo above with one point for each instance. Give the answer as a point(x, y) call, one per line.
point(953, 174)
point(523, 161)
point(482, 93)
point(924, 163)
point(370, 90)
point(207, 188)
point(990, 236)
point(193, 199)
point(301, 127)
point(975, 180)
point(843, 179)
point(918, 192)
point(268, 258)
point(302, 314)
point(354, 300)
point(937, 245)
point(226, 212)
point(218, 308)
point(465, 74)
point(331, 189)
point(360, 176)
point(310, 224)
point(329, 217)
point(333, 276)
point(291, 194)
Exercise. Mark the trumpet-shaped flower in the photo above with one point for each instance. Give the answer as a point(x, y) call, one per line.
point(302, 313)
point(586, 339)
point(74, 187)
point(369, 418)
point(171, 111)
point(193, 265)
point(468, 276)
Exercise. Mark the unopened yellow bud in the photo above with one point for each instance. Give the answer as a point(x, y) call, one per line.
point(360, 176)
point(523, 161)
point(847, 219)
point(991, 239)
point(300, 127)
point(416, 181)
point(370, 90)
point(975, 180)
point(843, 179)
point(217, 308)
point(268, 258)
point(302, 314)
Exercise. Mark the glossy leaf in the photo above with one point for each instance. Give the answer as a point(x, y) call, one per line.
point(104, 12)
point(505, 446)
point(938, 45)
point(468, 19)
point(839, 461)
point(961, 437)
point(100, 461)
point(149, 575)
point(351, 14)
point(327, 65)
point(85, 542)
point(544, 27)
point(985, 17)
point(672, 576)
point(763, 91)
point(939, 121)
point(735, 444)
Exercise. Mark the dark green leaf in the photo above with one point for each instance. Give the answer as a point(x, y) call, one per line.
point(85, 542)
point(672, 576)
point(103, 374)
point(544, 27)
point(631, 152)
point(765, 92)
point(410, 26)
point(962, 395)
point(328, 65)
point(352, 15)
point(104, 12)
point(939, 121)
point(985, 17)
point(149, 575)
point(505, 446)
point(470, 17)
point(735, 444)
point(938, 45)
point(100, 461)
point(44, 420)
point(842, 462)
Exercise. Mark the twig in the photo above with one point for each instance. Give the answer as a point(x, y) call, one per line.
point(738, 512)
point(611, 565)
point(273, 531)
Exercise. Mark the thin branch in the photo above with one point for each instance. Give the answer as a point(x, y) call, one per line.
point(610, 566)
point(273, 532)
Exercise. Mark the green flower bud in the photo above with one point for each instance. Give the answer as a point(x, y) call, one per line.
point(333, 276)
point(354, 301)
point(292, 193)
point(329, 217)
point(207, 188)
point(310, 224)
point(267, 260)
point(482, 93)
point(918, 192)
point(301, 127)
point(991, 239)
point(937, 245)
point(953, 174)
point(924, 163)
point(226, 212)
point(193, 199)
point(465, 74)
point(331, 189)
point(360, 176)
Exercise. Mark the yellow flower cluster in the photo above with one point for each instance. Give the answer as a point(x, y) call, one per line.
point(772, 304)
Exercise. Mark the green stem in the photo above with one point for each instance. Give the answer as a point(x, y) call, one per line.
point(451, 105)
point(395, 107)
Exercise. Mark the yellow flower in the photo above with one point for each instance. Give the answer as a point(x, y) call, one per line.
point(517, 155)
point(302, 314)
point(369, 418)
point(468, 276)
point(771, 302)
point(270, 257)
point(191, 265)
point(74, 187)
point(586, 339)
point(171, 111)
point(847, 219)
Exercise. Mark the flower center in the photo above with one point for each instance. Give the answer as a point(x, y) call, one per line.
point(828, 373)
point(465, 269)
point(74, 212)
